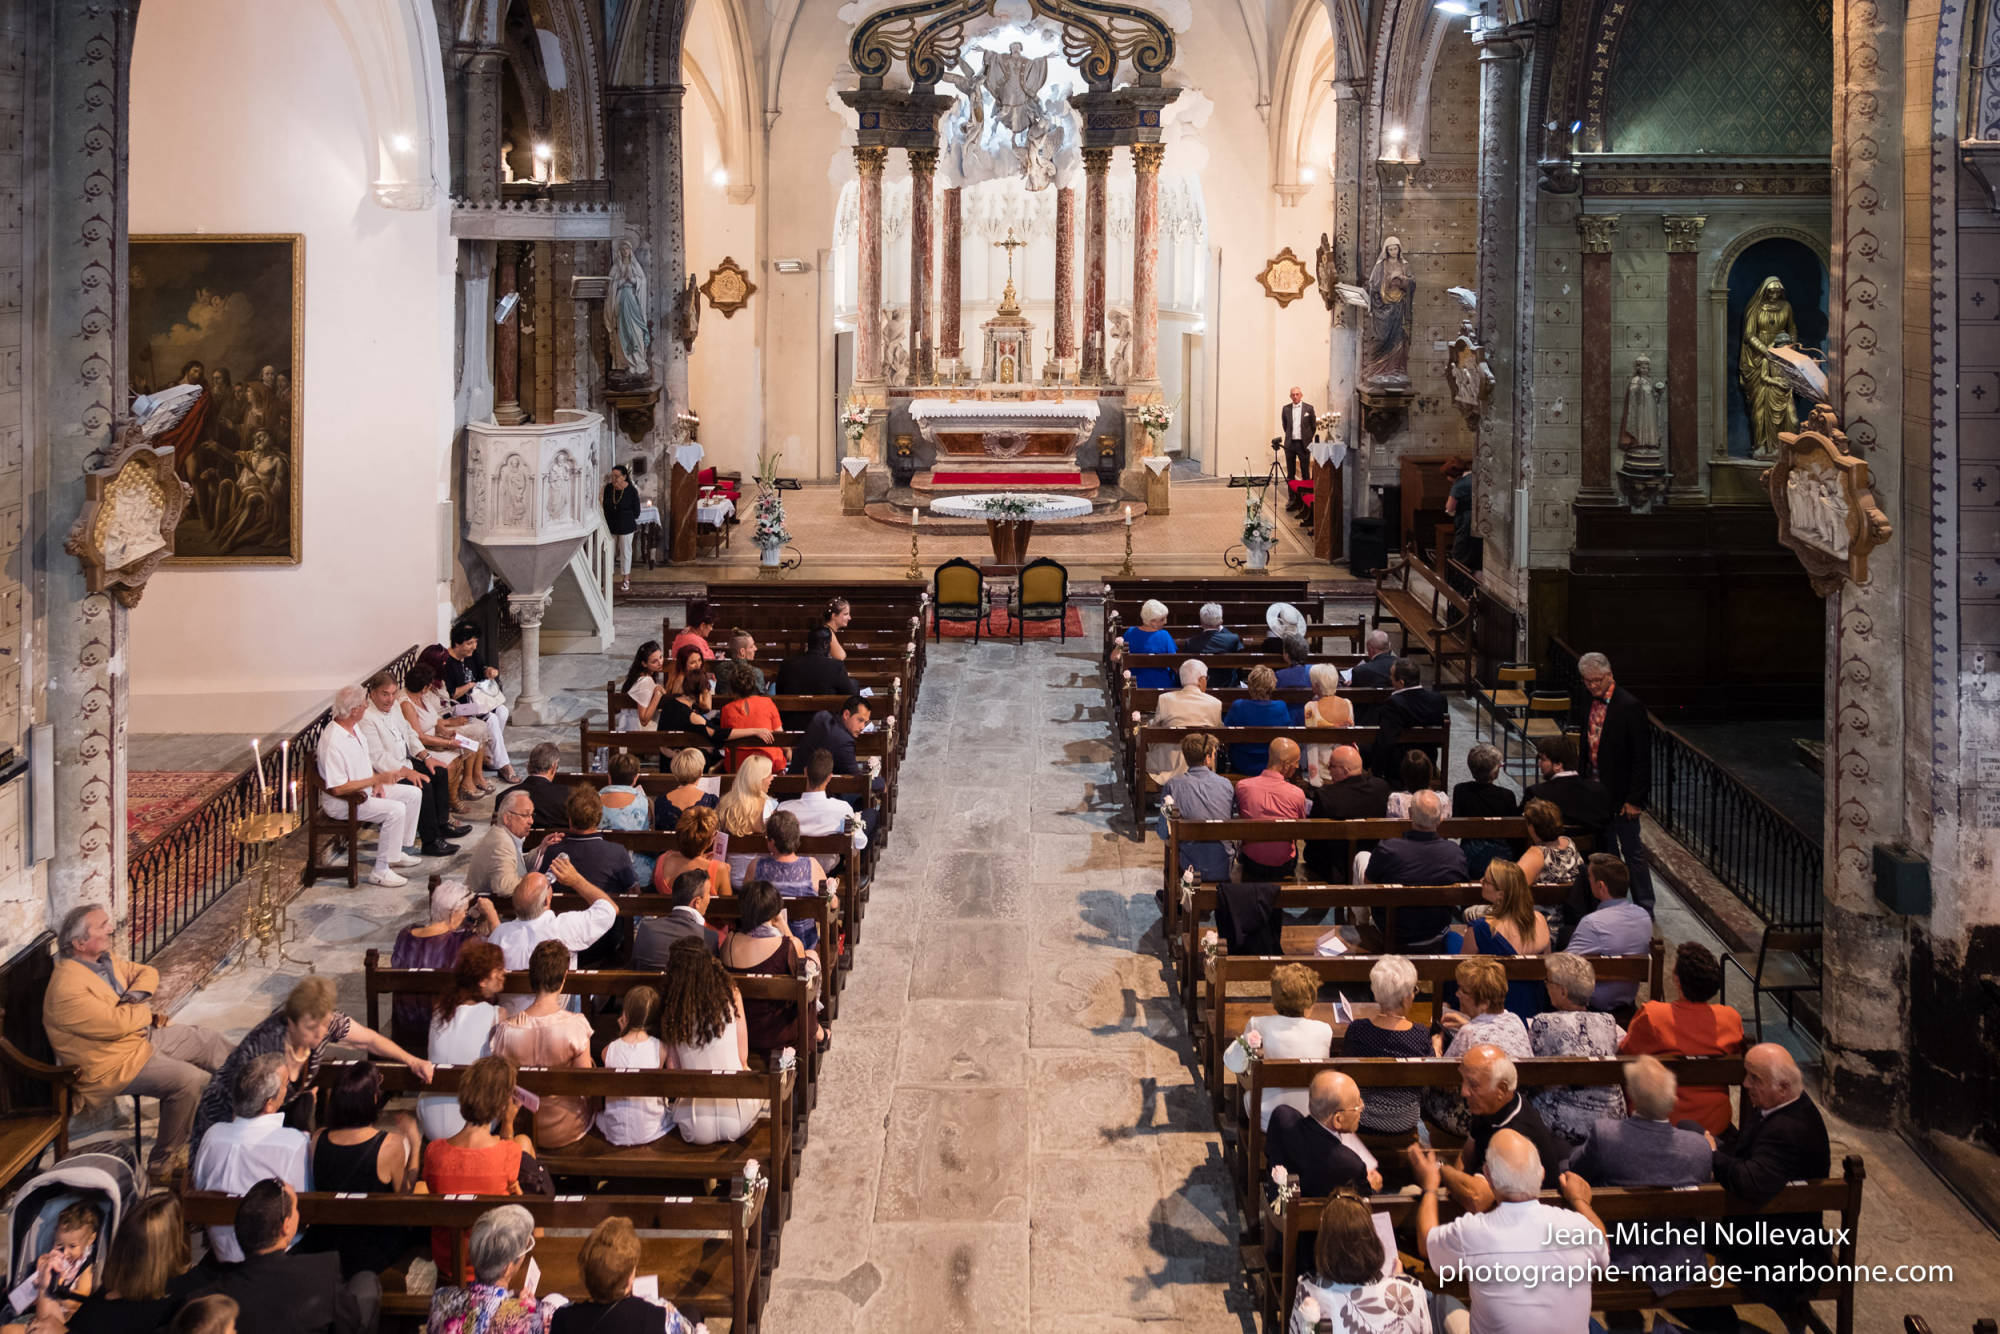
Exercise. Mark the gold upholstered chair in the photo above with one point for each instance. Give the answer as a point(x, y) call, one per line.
point(1041, 595)
point(958, 593)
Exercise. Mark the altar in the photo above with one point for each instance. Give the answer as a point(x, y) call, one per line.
point(1025, 440)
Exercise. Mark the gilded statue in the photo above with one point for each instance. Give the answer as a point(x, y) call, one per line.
point(1767, 395)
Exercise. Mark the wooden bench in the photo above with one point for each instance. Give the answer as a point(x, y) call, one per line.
point(1146, 736)
point(879, 743)
point(1614, 1205)
point(1438, 622)
point(707, 1253)
point(885, 701)
point(37, 1095)
point(322, 829)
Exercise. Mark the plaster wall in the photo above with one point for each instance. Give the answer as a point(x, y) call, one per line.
point(725, 367)
point(1556, 444)
point(249, 117)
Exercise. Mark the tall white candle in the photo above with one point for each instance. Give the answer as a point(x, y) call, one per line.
point(1128, 516)
point(257, 767)
point(284, 770)
point(913, 518)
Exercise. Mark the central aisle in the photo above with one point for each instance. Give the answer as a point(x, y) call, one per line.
point(1007, 1135)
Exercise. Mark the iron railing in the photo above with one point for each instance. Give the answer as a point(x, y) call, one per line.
point(196, 860)
point(1758, 852)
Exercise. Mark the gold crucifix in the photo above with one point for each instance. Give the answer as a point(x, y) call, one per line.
point(1008, 304)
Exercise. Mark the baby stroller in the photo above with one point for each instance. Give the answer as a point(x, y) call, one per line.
point(102, 1180)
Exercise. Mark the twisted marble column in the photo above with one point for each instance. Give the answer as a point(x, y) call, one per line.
point(1065, 331)
point(1096, 163)
point(1146, 262)
point(923, 169)
point(948, 316)
point(868, 297)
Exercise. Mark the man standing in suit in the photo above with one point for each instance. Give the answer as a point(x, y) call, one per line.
point(1350, 792)
point(1782, 1138)
point(1618, 752)
point(1297, 424)
point(1409, 707)
point(1419, 857)
point(1585, 805)
point(1373, 673)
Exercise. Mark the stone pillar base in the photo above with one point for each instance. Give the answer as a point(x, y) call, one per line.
point(528, 610)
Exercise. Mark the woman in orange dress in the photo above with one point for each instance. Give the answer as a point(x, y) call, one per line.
point(1691, 1026)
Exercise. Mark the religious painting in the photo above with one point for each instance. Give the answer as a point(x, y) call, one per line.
point(728, 288)
point(1285, 278)
point(227, 313)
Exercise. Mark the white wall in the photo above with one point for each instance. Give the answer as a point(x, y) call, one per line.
point(249, 116)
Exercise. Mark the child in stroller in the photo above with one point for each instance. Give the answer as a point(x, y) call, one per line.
point(64, 1273)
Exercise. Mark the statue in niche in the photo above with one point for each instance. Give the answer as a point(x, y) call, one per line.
point(625, 318)
point(1471, 378)
point(1767, 394)
point(1392, 298)
point(1818, 508)
point(507, 161)
point(895, 344)
point(1640, 432)
point(1121, 345)
point(1326, 271)
point(1015, 81)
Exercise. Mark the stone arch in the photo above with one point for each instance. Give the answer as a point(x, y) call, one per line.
point(1309, 63)
point(576, 110)
point(400, 70)
point(1407, 43)
point(1715, 330)
point(720, 71)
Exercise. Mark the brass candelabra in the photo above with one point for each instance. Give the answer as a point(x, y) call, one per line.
point(915, 571)
point(1125, 570)
point(265, 920)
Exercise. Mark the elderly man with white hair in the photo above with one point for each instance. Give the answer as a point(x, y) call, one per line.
point(1491, 1086)
point(1373, 672)
point(1214, 637)
point(1419, 857)
point(578, 928)
point(1781, 1138)
point(1150, 636)
point(1190, 706)
point(1647, 1149)
point(1320, 1148)
point(346, 769)
point(1489, 1249)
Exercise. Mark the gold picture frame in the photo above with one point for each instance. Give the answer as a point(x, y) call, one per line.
point(232, 304)
point(1286, 278)
point(728, 288)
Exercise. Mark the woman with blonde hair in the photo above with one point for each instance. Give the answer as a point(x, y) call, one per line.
point(609, 1261)
point(1288, 1035)
point(1325, 709)
point(686, 769)
point(1508, 924)
point(745, 807)
point(1482, 1016)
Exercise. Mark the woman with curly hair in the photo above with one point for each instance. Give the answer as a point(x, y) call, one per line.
point(1691, 1026)
point(694, 844)
point(704, 1028)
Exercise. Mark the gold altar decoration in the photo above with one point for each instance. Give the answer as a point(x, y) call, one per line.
point(1009, 303)
point(265, 921)
point(1827, 514)
point(728, 288)
point(1285, 278)
point(928, 35)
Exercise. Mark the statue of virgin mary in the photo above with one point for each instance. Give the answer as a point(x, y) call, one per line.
point(1767, 394)
point(1392, 298)
point(625, 317)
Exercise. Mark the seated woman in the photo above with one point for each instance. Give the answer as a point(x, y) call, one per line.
point(1287, 1035)
point(796, 877)
point(750, 715)
point(353, 1152)
point(436, 944)
point(1345, 1283)
point(835, 619)
point(491, 1302)
point(486, 1157)
point(146, 1273)
point(428, 712)
point(1325, 709)
point(1554, 859)
point(1150, 636)
point(1484, 798)
point(550, 1035)
point(1570, 1028)
point(1691, 1026)
point(461, 1030)
point(1247, 759)
point(1508, 924)
point(706, 1026)
point(609, 1262)
point(685, 769)
point(628, 1121)
point(763, 944)
point(1393, 979)
point(643, 687)
point(1415, 774)
point(1482, 1017)
point(625, 807)
point(688, 703)
point(744, 808)
point(302, 1029)
point(694, 846)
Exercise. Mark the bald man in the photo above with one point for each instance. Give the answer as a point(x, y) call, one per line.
point(1272, 795)
point(1349, 792)
point(1782, 1138)
point(1190, 706)
point(1490, 1085)
point(1319, 1147)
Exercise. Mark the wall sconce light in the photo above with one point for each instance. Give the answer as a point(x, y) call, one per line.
point(401, 143)
point(1307, 175)
point(544, 155)
point(789, 265)
point(719, 177)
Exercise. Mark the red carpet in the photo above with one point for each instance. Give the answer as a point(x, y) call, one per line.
point(1000, 625)
point(155, 801)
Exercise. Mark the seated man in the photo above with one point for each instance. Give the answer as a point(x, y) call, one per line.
point(820, 814)
point(1585, 803)
point(834, 733)
point(1271, 795)
point(1490, 1085)
point(99, 1018)
point(1200, 793)
point(345, 769)
point(1409, 707)
point(498, 863)
point(815, 671)
point(1782, 1138)
point(601, 862)
point(743, 651)
point(1190, 706)
point(1373, 672)
point(255, 1144)
point(394, 744)
point(1419, 857)
point(578, 928)
point(461, 670)
point(1213, 638)
point(1321, 1149)
point(1645, 1148)
point(1615, 926)
point(549, 797)
point(1350, 792)
point(654, 938)
point(298, 1292)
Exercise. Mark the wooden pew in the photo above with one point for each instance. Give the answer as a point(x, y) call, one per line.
point(885, 700)
point(878, 743)
point(1136, 705)
point(1222, 1017)
point(708, 1253)
point(1350, 833)
point(854, 789)
point(1439, 621)
point(1146, 736)
point(1841, 1195)
point(36, 1094)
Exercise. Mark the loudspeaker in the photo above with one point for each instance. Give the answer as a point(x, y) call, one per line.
point(1367, 546)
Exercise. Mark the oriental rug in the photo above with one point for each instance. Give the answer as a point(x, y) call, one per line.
point(1000, 625)
point(156, 800)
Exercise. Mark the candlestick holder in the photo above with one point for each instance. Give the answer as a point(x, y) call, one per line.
point(1125, 570)
point(915, 571)
point(265, 920)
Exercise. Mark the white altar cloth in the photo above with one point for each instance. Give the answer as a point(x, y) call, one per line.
point(1039, 507)
point(1077, 417)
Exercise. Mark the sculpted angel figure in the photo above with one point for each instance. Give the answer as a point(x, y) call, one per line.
point(1016, 83)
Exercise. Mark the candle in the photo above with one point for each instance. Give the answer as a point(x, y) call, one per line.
point(284, 768)
point(1128, 516)
point(257, 767)
point(295, 794)
point(913, 518)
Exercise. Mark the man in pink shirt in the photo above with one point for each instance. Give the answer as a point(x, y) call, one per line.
point(1272, 795)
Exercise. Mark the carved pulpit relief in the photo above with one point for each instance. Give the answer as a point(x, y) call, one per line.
point(1826, 512)
point(129, 514)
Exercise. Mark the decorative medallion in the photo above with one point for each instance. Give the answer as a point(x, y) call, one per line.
point(1826, 512)
point(130, 510)
point(1285, 277)
point(728, 288)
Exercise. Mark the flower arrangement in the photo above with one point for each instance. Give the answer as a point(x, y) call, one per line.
point(1288, 1189)
point(1256, 524)
point(1008, 507)
point(1252, 1043)
point(1190, 878)
point(1156, 418)
point(770, 530)
point(1211, 945)
point(854, 421)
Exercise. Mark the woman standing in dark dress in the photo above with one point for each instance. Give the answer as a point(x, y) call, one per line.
point(763, 944)
point(621, 519)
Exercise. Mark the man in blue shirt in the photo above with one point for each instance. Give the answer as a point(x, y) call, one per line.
point(1616, 926)
point(1200, 793)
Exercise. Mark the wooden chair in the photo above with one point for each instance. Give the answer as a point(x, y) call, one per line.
point(1777, 964)
point(35, 1092)
point(958, 593)
point(1041, 594)
point(322, 828)
point(1547, 716)
point(1508, 697)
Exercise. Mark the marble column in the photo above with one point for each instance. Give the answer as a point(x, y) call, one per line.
point(669, 237)
point(1065, 330)
point(1683, 352)
point(868, 295)
point(923, 175)
point(948, 346)
point(78, 107)
point(1594, 411)
point(1344, 345)
point(1146, 262)
point(528, 609)
point(507, 409)
point(1096, 164)
point(1502, 240)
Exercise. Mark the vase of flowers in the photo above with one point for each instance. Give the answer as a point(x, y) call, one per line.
point(769, 532)
point(1258, 534)
point(1156, 419)
point(854, 421)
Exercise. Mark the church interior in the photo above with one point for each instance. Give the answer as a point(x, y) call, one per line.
point(1529, 450)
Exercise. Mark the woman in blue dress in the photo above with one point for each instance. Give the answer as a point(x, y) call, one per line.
point(1509, 925)
point(1150, 636)
point(626, 807)
point(1259, 710)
